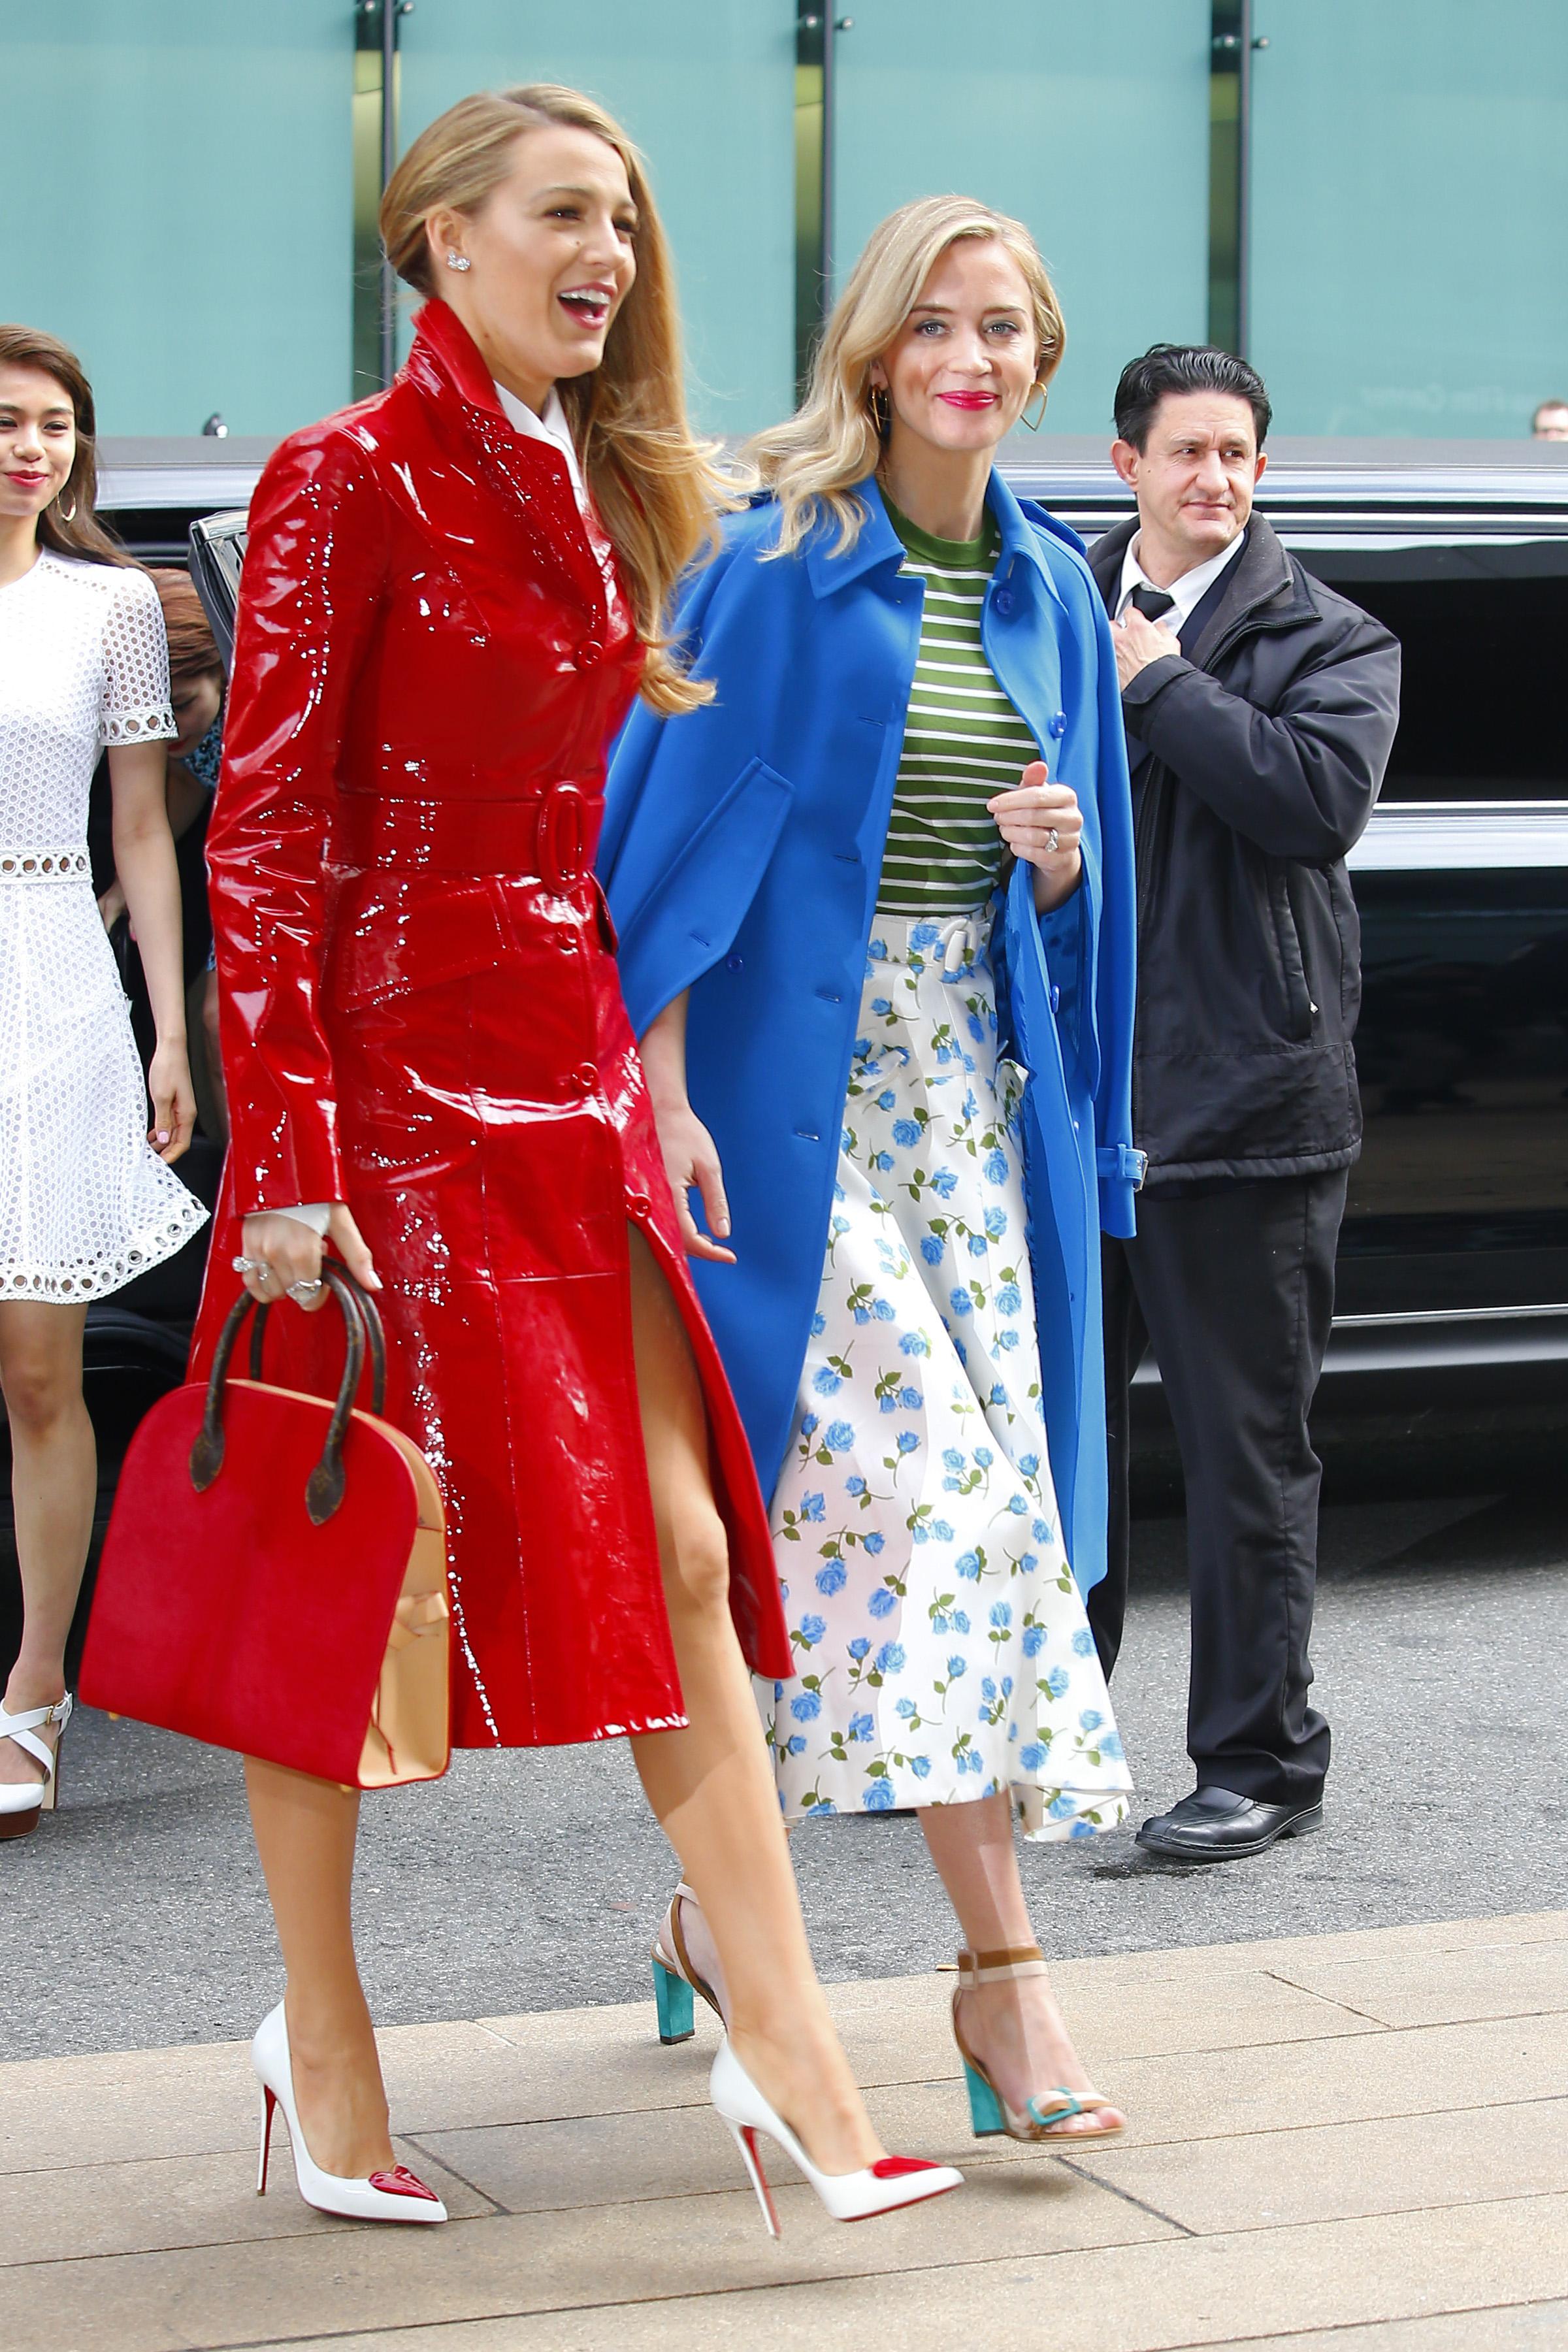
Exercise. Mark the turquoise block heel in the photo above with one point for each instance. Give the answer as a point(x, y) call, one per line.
point(674, 1978)
point(676, 2019)
point(984, 2106)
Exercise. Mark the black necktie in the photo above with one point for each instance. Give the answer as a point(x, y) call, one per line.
point(1153, 603)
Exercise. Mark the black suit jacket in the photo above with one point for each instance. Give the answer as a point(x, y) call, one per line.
point(1263, 748)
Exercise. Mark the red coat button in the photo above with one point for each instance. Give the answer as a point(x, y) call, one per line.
point(639, 1204)
point(589, 652)
point(587, 1075)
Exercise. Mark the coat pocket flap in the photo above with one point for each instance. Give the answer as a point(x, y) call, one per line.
point(693, 913)
point(412, 935)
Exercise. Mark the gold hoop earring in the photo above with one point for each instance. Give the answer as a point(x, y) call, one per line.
point(882, 409)
point(61, 514)
point(1034, 422)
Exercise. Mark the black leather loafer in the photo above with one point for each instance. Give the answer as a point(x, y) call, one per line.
point(1217, 1825)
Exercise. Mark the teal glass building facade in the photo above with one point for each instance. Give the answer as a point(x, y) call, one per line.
point(191, 186)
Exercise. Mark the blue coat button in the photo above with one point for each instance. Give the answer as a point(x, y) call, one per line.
point(733, 963)
point(1003, 601)
point(1056, 999)
point(1060, 723)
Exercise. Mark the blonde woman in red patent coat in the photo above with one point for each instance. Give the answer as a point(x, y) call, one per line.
point(452, 593)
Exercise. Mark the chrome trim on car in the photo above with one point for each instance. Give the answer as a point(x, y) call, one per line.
point(1445, 1339)
point(1461, 836)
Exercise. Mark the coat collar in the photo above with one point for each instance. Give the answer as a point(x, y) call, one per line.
point(445, 365)
point(878, 544)
point(445, 358)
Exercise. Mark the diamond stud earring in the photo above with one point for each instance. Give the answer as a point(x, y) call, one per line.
point(458, 261)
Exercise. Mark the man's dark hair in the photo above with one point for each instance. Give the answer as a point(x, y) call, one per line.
point(1183, 367)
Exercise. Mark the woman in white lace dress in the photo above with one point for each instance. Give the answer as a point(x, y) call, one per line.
point(87, 1202)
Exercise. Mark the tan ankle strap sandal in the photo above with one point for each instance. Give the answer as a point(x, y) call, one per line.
point(1041, 2118)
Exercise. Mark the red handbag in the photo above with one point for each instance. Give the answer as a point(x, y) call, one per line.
point(274, 1578)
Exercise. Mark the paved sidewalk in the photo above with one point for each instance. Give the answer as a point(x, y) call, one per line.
point(1345, 2143)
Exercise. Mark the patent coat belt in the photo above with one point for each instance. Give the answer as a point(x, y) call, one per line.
point(542, 836)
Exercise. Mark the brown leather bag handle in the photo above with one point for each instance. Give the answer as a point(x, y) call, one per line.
point(324, 1487)
point(369, 1314)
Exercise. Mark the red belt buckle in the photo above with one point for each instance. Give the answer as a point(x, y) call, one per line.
point(563, 836)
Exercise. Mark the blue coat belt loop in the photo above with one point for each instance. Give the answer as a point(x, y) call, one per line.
point(1124, 1165)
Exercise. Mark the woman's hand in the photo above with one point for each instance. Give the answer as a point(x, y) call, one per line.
point(1042, 824)
point(689, 1159)
point(174, 1099)
point(289, 1254)
point(111, 906)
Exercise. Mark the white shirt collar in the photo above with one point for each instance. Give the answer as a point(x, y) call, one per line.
point(552, 428)
point(1188, 592)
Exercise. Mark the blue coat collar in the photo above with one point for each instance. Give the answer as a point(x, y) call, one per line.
point(878, 544)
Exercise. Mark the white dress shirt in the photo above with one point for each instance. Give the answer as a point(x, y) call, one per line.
point(1186, 594)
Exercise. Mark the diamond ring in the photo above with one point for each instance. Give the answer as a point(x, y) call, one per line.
point(303, 1289)
point(255, 1265)
point(1053, 841)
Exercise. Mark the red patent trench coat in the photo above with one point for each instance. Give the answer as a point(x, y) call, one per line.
point(422, 1017)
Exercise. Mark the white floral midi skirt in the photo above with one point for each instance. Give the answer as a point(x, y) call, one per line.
point(940, 1642)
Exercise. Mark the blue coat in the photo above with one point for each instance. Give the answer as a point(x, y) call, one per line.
point(741, 854)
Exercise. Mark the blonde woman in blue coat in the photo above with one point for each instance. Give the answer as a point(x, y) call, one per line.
point(877, 925)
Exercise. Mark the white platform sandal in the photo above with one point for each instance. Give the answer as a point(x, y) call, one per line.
point(22, 1802)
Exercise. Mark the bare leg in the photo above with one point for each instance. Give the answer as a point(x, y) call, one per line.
point(305, 1835)
point(1015, 2026)
point(54, 1481)
point(710, 1785)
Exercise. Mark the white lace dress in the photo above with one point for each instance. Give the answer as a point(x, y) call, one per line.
point(86, 1205)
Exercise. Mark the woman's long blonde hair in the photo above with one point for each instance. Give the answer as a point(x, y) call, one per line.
point(813, 461)
point(659, 490)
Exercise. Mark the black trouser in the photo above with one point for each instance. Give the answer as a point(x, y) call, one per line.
point(1234, 1288)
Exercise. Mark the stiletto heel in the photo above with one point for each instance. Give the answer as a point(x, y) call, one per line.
point(984, 2106)
point(22, 1802)
point(745, 2139)
point(892, 2182)
point(395, 2196)
point(1041, 2119)
point(672, 1997)
point(268, 2101)
point(674, 1978)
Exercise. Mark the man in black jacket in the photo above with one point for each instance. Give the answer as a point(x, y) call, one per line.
point(1260, 709)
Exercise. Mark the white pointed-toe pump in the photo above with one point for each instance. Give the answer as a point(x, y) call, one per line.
point(885, 2187)
point(395, 2196)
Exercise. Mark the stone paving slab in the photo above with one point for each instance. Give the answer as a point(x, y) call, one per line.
point(1350, 2143)
point(1511, 1980)
point(1162, 2297)
point(1521, 2328)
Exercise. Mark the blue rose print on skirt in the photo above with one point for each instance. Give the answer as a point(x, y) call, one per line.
point(940, 1642)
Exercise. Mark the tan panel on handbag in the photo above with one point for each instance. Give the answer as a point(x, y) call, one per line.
point(408, 1736)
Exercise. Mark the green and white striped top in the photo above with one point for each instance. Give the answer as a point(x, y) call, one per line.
point(964, 740)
